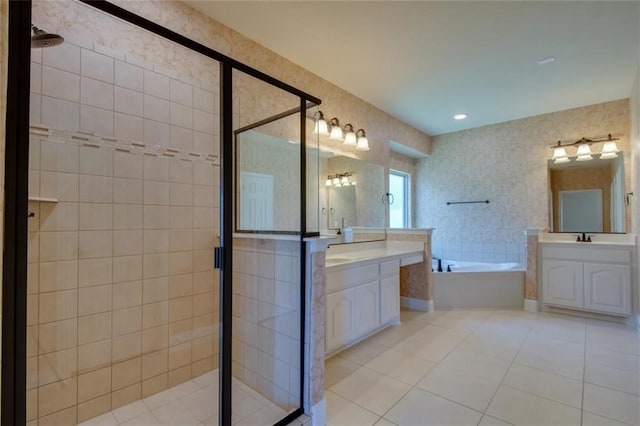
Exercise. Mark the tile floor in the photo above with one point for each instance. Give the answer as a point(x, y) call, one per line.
point(465, 367)
point(195, 403)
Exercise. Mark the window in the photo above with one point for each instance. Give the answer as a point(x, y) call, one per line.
point(400, 200)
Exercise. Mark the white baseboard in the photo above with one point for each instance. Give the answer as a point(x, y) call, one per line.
point(530, 305)
point(416, 304)
point(319, 414)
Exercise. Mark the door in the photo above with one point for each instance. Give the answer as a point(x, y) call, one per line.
point(367, 307)
point(608, 288)
point(562, 282)
point(341, 318)
point(389, 299)
point(581, 211)
point(256, 201)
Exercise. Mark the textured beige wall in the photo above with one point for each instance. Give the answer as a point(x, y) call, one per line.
point(505, 163)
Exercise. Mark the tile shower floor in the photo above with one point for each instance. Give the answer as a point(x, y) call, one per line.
point(194, 403)
point(465, 367)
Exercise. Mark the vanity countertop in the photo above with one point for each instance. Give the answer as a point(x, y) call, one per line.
point(598, 240)
point(347, 255)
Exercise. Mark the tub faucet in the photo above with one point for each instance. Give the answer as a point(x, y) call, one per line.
point(439, 263)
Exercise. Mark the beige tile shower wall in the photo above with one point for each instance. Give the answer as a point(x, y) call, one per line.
point(266, 318)
point(123, 298)
point(80, 22)
point(507, 164)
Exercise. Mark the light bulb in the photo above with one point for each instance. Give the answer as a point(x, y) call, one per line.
point(609, 150)
point(327, 182)
point(350, 136)
point(584, 153)
point(363, 142)
point(336, 131)
point(344, 180)
point(559, 153)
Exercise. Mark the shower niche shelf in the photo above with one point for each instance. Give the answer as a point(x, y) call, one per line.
point(43, 199)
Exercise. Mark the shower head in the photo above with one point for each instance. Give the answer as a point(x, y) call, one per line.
point(43, 39)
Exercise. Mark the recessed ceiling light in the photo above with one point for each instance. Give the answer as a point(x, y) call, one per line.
point(546, 61)
point(460, 116)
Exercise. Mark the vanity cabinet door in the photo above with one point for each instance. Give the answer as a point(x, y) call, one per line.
point(341, 318)
point(390, 299)
point(562, 282)
point(607, 288)
point(367, 307)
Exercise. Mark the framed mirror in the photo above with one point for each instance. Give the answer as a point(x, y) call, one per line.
point(357, 202)
point(587, 196)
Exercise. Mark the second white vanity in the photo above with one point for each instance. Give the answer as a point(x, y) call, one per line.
point(589, 276)
point(363, 289)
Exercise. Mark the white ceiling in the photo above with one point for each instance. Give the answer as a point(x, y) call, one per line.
point(423, 62)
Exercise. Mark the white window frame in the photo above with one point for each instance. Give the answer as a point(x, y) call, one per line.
point(407, 196)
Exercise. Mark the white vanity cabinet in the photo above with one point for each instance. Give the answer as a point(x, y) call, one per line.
point(587, 277)
point(361, 299)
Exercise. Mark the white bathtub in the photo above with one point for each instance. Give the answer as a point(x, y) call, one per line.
point(479, 285)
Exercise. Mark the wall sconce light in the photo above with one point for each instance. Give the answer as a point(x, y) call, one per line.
point(583, 151)
point(363, 142)
point(350, 136)
point(320, 127)
point(336, 131)
point(609, 150)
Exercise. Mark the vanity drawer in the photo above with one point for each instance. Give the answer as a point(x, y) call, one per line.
point(351, 276)
point(588, 254)
point(390, 267)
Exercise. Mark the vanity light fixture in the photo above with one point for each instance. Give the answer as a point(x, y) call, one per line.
point(339, 180)
point(583, 151)
point(320, 128)
point(350, 138)
point(560, 156)
point(609, 150)
point(363, 142)
point(336, 131)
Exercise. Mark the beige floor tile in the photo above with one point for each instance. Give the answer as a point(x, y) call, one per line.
point(462, 388)
point(613, 404)
point(363, 352)
point(614, 378)
point(341, 412)
point(420, 407)
point(371, 390)
point(601, 356)
point(130, 411)
point(590, 419)
point(476, 364)
point(264, 416)
point(493, 347)
point(175, 414)
point(337, 368)
point(146, 419)
point(106, 419)
point(520, 408)
point(492, 421)
point(385, 422)
point(544, 384)
point(570, 366)
point(398, 365)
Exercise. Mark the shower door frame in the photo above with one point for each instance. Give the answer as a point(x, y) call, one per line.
point(14, 278)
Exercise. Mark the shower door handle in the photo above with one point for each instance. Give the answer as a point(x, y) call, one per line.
point(217, 258)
